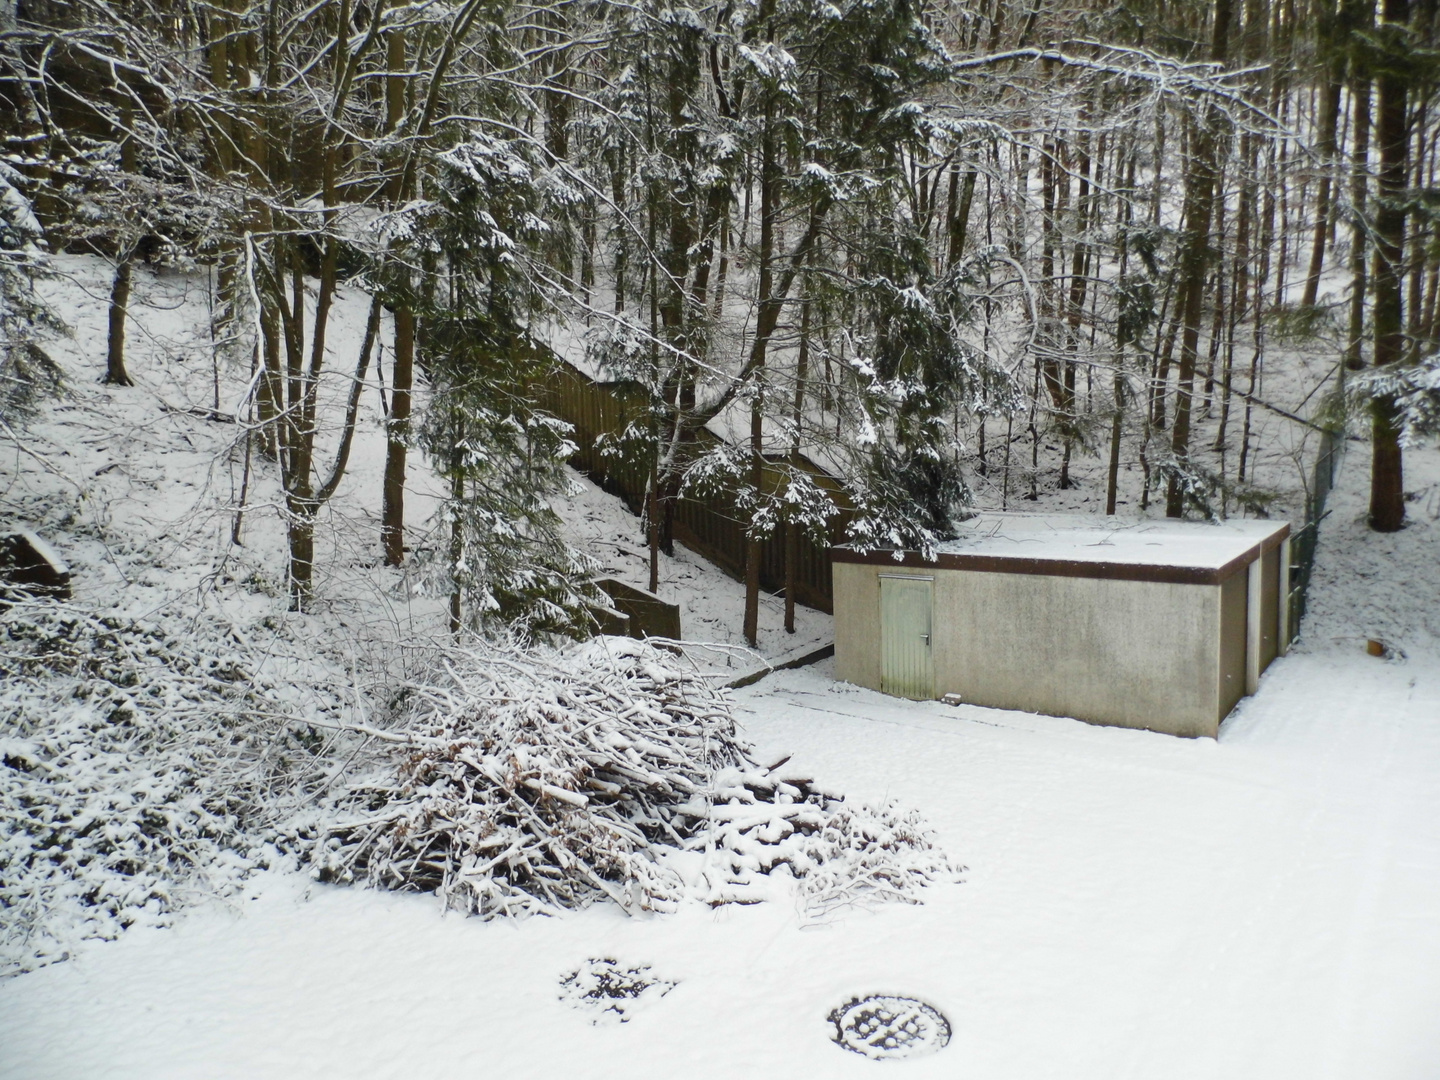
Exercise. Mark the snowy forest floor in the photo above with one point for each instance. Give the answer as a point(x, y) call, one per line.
point(1264, 905)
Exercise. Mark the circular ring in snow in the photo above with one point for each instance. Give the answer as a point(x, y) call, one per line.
point(885, 1027)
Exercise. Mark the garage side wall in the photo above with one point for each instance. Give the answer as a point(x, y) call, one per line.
point(1128, 653)
point(1269, 607)
point(1232, 641)
point(857, 623)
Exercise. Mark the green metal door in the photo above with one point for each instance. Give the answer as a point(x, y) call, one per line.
point(905, 665)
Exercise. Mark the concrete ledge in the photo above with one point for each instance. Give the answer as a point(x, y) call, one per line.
point(646, 615)
point(803, 658)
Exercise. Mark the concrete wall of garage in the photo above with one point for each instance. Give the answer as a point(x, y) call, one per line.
point(1144, 654)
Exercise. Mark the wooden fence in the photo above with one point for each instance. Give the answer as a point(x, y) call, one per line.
point(712, 527)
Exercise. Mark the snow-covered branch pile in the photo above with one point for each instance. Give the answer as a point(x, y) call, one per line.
point(139, 762)
point(530, 785)
point(842, 853)
point(141, 766)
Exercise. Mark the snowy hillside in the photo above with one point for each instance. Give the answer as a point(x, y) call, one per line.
point(140, 486)
point(176, 686)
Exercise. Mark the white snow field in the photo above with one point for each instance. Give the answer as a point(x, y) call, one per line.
point(1136, 906)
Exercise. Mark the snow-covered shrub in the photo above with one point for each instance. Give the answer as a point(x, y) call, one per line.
point(530, 784)
point(134, 762)
point(143, 763)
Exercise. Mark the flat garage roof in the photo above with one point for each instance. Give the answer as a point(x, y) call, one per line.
point(1084, 545)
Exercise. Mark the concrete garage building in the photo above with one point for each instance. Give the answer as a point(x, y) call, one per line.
point(1162, 624)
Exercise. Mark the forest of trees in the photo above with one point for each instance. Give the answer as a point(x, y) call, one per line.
point(911, 241)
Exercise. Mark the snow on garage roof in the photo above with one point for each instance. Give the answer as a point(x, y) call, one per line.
point(1091, 538)
point(1085, 545)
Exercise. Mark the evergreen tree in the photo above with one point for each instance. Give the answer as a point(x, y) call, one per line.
point(498, 214)
point(26, 370)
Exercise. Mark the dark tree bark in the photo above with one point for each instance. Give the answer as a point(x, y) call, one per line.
point(1325, 147)
point(1387, 491)
point(792, 532)
point(959, 211)
point(397, 423)
point(769, 311)
point(397, 431)
point(115, 373)
point(1199, 205)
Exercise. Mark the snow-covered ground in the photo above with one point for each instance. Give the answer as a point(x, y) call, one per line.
point(1266, 905)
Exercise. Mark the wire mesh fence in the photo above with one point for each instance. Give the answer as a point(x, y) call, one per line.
point(1304, 541)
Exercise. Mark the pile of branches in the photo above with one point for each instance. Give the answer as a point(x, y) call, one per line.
point(529, 784)
point(842, 853)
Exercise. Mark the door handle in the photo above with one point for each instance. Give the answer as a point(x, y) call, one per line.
point(927, 640)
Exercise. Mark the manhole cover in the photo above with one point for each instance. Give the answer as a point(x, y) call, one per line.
point(885, 1027)
point(610, 991)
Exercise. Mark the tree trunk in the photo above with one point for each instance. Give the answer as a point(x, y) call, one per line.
point(397, 423)
point(1161, 356)
point(652, 494)
point(457, 532)
point(1112, 478)
point(1415, 301)
point(792, 533)
point(301, 535)
point(959, 212)
point(1124, 169)
point(1075, 314)
point(768, 316)
point(1387, 492)
point(1359, 233)
point(1199, 203)
point(115, 373)
point(397, 433)
point(222, 159)
point(268, 393)
point(1325, 147)
point(1240, 289)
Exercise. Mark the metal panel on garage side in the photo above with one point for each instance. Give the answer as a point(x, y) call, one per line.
point(906, 667)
